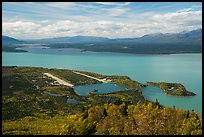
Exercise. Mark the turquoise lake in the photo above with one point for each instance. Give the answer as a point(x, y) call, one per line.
point(182, 68)
point(101, 88)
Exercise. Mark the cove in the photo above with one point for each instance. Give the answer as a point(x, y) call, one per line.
point(101, 88)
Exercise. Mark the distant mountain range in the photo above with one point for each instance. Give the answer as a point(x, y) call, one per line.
point(10, 40)
point(158, 43)
point(74, 39)
point(10, 44)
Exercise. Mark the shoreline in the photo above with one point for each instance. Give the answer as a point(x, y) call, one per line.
point(102, 74)
point(85, 50)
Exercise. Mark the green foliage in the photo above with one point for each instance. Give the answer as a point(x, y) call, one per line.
point(141, 119)
point(27, 110)
point(191, 125)
point(121, 80)
point(72, 77)
point(31, 125)
point(127, 82)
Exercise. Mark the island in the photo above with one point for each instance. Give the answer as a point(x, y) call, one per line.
point(92, 91)
point(175, 89)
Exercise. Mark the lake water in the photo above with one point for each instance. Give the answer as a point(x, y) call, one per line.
point(58, 95)
point(182, 68)
point(70, 100)
point(52, 94)
point(101, 88)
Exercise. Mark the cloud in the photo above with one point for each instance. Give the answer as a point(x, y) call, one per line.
point(61, 5)
point(113, 3)
point(116, 11)
point(193, 7)
point(185, 10)
point(20, 28)
point(71, 19)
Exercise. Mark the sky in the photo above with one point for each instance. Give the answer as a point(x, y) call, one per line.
point(37, 20)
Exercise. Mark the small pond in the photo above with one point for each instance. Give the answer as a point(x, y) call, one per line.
point(175, 88)
point(52, 94)
point(72, 100)
point(111, 99)
point(101, 88)
point(58, 95)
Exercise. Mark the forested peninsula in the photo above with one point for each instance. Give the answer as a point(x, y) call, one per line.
point(35, 103)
